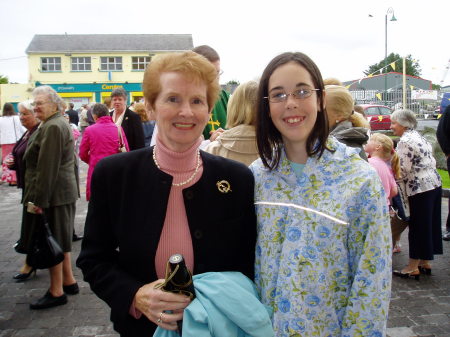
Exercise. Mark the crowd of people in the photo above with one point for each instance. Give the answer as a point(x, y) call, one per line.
point(281, 186)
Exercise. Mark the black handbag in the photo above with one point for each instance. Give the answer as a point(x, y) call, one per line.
point(45, 251)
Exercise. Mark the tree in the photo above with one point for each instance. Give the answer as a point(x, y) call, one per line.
point(412, 66)
point(3, 79)
point(231, 86)
point(233, 82)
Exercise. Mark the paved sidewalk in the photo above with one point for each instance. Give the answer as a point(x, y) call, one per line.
point(84, 315)
point(418, 308)
point(421, 308)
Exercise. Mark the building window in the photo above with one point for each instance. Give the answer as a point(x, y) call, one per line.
point(111, 63)
point(50, 64)
point(140, 62)
point(81, 64)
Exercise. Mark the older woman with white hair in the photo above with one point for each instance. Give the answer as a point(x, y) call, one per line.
point(423, 187)
point(51, 189)
point(15, 162)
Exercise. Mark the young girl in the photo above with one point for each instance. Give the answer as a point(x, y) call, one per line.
point(323, 254)
point(380, 148)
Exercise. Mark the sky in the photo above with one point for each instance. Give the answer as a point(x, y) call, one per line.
point(342, 37)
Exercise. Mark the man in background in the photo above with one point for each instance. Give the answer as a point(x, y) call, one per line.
point(73, 115)
point(443, 137)
point(218, 118)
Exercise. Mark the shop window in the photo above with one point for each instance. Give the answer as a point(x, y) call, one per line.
point(140, 62)
point(81, 64)
point(111, 63)
point(50, 64)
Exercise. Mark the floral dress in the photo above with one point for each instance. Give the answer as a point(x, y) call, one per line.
point(323, 253)
point(417, 164)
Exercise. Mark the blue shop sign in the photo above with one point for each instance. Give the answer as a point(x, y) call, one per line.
point(94, 87)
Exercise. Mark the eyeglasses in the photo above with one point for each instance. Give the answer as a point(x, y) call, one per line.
point(281, 96)
point(34, 104)
point(220, 72)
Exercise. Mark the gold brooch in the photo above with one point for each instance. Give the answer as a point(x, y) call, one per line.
point(223, 186)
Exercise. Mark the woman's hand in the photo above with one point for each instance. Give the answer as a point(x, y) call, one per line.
point(215, 134)
point(154, 302)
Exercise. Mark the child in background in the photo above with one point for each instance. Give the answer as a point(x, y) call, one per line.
point(384, 159)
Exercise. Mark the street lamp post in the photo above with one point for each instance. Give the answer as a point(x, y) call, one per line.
point(389, 11)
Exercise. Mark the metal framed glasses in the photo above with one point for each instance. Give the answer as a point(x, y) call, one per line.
point(279, 96)
point(35, 104)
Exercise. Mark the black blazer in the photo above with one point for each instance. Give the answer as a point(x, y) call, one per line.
point(125, 219)
point(132, 126)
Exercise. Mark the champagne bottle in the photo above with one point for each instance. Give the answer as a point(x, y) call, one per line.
point(179, 280)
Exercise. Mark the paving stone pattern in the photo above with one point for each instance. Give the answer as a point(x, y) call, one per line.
point(418, 308)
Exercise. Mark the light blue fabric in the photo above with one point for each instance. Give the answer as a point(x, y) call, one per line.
point(297, 168)
point(226, 305)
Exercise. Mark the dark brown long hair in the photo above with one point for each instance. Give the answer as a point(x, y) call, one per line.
point(8, 109)
point(268, 137)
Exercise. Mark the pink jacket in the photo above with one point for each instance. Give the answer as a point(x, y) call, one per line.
point(99, 140)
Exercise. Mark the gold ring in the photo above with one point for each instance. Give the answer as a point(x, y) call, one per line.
point(160, 317)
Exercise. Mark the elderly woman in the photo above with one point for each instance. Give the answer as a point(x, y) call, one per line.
point(423, 187)
point(239, 141)
point(10, 132)
point(15, 162)
point(51, 189)
point(100, 140)
point(346, 125)
point(149, 204)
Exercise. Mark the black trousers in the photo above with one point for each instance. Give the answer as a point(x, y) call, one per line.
point(425, 232)
point(447, 226)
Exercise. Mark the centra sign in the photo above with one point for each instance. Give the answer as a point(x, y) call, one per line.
point(111, 87)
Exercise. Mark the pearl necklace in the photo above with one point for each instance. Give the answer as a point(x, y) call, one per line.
point(190, 178)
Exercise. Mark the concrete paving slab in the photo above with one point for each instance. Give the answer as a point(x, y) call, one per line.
point(418, 308)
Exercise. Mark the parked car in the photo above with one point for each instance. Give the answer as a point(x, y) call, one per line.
point(379, 116)
point(437, 112)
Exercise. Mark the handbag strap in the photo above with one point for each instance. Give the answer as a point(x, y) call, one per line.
point(119, 131)
point(15, 132)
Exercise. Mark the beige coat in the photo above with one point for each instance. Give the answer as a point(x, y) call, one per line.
point(238, 143)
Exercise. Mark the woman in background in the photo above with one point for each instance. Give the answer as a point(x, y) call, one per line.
point(10, 132)
point(424, 189)
point(51, 190)
point(239, 141)
point(99, 141)
point(148, 125)
point(346, 125)
point(323, 253)
point(15, 162)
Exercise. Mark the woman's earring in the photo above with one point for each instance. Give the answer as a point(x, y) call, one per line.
point(337, 121)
